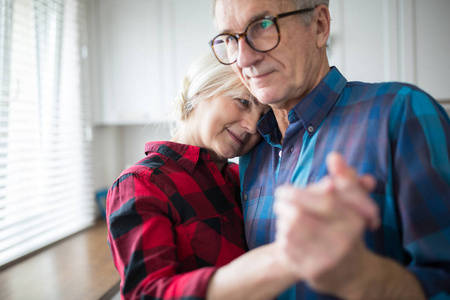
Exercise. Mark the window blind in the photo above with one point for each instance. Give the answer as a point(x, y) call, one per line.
point(45, 177)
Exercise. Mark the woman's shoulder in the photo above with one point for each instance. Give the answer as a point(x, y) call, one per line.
point(231, 173)
point(161, 157)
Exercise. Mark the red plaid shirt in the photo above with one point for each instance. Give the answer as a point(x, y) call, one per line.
point(173, 218)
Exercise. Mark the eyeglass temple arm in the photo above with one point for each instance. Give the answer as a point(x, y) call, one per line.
point(300, 11)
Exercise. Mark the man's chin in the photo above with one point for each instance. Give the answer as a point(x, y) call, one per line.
point(265, 95)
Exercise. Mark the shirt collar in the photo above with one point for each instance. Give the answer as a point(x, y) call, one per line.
point(186, 156)
point(311, 110)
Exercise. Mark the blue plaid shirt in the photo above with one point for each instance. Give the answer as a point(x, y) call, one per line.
point(395, 132)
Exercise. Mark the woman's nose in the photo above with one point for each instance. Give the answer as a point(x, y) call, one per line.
point(250, 122)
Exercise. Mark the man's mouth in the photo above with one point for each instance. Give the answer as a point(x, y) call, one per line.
point(258, 78)
point(258, 75)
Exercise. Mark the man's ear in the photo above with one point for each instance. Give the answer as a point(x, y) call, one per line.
point(322, 25)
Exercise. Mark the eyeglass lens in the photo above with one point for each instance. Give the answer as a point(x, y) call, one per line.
point(261, 35)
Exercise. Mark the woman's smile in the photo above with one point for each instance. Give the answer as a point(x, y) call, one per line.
point(235, 137)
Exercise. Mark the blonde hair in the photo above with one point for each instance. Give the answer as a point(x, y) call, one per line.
point(205, 79)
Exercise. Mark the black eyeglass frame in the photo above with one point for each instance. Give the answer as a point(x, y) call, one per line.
point(274, 19)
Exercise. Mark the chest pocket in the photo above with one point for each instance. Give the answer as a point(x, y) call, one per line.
point(259, 219)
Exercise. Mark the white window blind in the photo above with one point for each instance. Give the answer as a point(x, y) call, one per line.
point(45, 179)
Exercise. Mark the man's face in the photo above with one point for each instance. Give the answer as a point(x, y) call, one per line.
point(284, 75)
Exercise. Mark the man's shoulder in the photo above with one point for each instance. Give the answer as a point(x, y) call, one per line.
point(383, 93)
point(384, 88)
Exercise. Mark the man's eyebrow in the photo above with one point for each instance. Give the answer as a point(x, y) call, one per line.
point(255, 17)
point(259, 16)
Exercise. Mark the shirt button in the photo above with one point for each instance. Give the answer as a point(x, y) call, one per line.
point(279, 153)
point(245, 197)
point(310, 128)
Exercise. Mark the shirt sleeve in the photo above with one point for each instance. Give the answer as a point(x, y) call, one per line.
point(142, 241)
point(420, 135)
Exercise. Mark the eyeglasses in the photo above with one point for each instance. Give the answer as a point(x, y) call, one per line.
point(262, 35)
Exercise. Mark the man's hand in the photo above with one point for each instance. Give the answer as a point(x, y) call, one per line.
point(320, 228)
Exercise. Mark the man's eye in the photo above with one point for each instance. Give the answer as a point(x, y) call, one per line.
point(230, 39)
point(265, 24)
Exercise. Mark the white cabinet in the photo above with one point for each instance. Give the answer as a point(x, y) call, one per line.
point(193, 28)
point(139, 51)
point(393, 40)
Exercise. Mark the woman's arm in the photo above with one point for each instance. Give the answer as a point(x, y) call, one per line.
point(258, 274)
point(143, 244)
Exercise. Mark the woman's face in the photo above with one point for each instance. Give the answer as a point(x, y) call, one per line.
point(226, 126)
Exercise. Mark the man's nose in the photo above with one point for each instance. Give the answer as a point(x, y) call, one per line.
point(247, 56)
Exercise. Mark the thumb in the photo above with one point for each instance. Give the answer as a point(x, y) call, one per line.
point(338, 167)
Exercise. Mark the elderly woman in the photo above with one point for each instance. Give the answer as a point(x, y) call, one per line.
point(174, 218)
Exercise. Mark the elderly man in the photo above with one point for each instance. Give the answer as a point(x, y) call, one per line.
point(331, 236)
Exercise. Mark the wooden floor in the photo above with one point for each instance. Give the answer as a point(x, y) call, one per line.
point(79, 267)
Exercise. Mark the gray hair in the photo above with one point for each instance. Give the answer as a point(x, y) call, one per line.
point(299, 4)
point(205, 79)
point(307, 4)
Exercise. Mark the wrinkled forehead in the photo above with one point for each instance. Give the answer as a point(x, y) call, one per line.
point(234, 15)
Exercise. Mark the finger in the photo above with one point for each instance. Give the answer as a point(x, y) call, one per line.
point(325, 185)
point(316, 200)
point(357, 199)
point(324, 198)
point(285, 205)
point(338, 167)
point(353, 190)
point(367, 182)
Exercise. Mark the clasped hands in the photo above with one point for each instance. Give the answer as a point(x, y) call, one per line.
point(320, 228)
